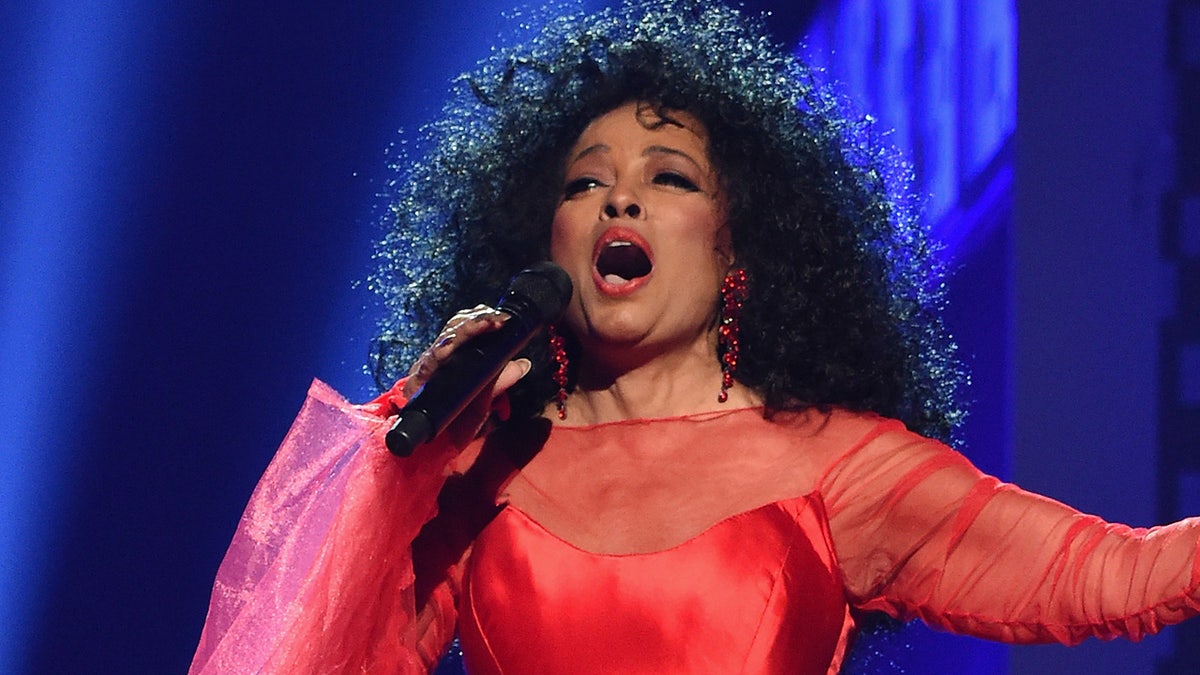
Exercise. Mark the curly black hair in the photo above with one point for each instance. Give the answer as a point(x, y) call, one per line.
point(846, 292)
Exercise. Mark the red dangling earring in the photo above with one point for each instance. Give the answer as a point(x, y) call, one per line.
point(734, 291)
point(558, 352)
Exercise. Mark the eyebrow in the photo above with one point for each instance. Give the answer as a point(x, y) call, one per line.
point(664, 150)
point(590, 150)
point(650, 150)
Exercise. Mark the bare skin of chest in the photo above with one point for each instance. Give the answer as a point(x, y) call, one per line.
point(606, 501)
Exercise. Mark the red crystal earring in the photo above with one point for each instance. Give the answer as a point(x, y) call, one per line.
point(734, 291)
point(558, 353)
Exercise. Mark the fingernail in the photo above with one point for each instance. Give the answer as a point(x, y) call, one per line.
point(444, 340)
point(526, 365)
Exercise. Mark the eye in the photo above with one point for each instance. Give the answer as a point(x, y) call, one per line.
point(675, 180)
point(580, 185)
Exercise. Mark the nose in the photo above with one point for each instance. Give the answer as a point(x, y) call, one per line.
point(631, 209)
point(622, 202)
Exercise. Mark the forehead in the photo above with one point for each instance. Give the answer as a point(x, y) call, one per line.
point(640, 124)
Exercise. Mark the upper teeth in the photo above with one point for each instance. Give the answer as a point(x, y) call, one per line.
point(620, 243)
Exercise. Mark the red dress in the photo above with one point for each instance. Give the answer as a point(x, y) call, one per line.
point(756, 593)
point(320, 576)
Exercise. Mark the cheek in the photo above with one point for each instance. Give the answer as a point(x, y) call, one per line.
point(559, 242)
point(565, 250)
point(716, 239)
point(567, 240)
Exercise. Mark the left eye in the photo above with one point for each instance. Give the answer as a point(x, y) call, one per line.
point(675, 180)
point(580, 186)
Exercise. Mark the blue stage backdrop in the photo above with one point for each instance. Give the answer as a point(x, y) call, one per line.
point(189, 193)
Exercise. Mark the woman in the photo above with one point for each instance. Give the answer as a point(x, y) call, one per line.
point(706, 466)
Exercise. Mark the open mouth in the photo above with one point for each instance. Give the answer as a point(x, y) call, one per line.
point(622, 261)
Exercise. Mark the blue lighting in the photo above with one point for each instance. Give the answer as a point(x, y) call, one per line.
point(77, 70)
point(940, 78)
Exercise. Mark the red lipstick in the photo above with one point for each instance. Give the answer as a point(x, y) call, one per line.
point(622, 261)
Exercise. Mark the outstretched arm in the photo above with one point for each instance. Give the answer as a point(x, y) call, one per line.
point(920, 532)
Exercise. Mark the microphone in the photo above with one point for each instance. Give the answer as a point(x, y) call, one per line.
point(535, 298)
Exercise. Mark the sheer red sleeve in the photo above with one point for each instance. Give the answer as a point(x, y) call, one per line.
point(319, 576)
point(921, 533)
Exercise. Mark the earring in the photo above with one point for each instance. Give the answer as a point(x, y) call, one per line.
point(734, 291)
point(558, 352)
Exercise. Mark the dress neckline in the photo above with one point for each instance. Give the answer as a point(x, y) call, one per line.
point(809, 497)
point(646, 421)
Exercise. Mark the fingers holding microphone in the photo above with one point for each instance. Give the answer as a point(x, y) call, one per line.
point(473, 359)
point(464, 325)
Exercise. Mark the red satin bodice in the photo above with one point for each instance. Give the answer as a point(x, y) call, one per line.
point(756, 593)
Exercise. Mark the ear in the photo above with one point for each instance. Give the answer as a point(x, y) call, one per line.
point(726, 257)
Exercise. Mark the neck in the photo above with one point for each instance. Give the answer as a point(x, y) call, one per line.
point(684, 381)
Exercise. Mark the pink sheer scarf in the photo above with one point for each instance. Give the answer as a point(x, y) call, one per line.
point(319, 576)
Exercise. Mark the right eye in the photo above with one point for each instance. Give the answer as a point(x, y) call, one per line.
point(579, 186)
point(676, 180)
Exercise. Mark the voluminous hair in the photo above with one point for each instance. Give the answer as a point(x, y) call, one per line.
point(845, 291)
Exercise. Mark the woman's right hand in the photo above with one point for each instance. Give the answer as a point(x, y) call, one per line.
point(461, 328)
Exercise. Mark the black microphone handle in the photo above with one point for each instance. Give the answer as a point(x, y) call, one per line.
point(470, 368)
point(535, 297)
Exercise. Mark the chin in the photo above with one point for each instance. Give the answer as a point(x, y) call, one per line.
point(617, 331)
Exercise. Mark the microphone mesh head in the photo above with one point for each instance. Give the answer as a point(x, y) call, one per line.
point(546, 285)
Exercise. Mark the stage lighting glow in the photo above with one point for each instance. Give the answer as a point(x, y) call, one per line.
point(940, 77)
point(66, 141)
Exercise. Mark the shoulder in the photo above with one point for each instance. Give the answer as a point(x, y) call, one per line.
point(859, 448)
point(836, 440)
point(840, 430)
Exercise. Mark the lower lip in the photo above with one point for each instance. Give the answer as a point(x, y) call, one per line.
point(618, 290)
